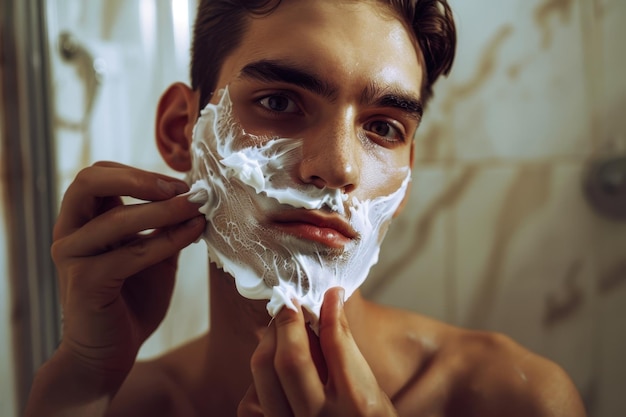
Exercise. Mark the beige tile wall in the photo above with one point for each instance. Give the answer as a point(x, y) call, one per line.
point(501, 235)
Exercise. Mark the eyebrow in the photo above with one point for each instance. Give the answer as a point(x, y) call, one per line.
point(374, 94)
point(391, 96)
point(279, 71)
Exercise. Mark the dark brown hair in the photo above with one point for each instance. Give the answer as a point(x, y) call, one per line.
point(220, 26)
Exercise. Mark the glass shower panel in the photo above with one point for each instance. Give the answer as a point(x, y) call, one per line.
point(111, 60)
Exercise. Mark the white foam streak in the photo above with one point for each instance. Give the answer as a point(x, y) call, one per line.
point(241, 185)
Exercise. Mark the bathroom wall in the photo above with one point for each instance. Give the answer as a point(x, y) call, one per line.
point(500, 235)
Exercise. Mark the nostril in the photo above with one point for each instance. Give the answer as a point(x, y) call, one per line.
point(317, 182)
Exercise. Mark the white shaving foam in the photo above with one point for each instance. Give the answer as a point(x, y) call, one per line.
point(239, 185)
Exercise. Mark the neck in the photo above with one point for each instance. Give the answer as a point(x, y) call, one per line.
point(236, 327)
point(233, 317)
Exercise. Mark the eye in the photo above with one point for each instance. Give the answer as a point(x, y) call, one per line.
point(386, 130)
point(279, 103)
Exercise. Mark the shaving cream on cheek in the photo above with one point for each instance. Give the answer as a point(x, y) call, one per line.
point(242, 186)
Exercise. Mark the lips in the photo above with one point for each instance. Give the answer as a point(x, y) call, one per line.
point(328, 229)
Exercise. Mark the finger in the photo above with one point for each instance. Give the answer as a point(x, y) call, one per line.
point(317, 355)
point(179, 184)
point(136, 256)
point(99, 280)
point(346, 365)
point(104, 180)
point(109, 179)
point(294, 364)
point(114, 227)
point(266, 382)
point(249, 405)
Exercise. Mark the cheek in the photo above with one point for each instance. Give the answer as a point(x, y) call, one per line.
point(383, 174)
point(243, 108)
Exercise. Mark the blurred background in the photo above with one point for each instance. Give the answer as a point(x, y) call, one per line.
point(517, 218)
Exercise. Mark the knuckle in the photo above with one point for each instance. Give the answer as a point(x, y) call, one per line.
point(79, 280)
point(138, 248)
point(175, 238)
point(243, 410)
point(287, 318)
point(364, 406)
point(74, 274)
point(261, 359)
point(78, 270)
point(100, 164)
point(58, 231)
point(335, 333)
point(58, 250)
point(247, 408)
point(343, 328)
point(368, 405)
point(117, 215)
point(83, 178)
point(291, 363)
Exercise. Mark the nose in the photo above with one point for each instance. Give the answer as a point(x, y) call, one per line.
point(331, 157)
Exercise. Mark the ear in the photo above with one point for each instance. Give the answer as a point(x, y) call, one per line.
point(176, 116)
point(405, 199)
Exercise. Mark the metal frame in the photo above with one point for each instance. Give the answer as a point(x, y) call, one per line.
point(28, 172)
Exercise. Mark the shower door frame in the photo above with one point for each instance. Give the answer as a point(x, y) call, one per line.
point(28, 170)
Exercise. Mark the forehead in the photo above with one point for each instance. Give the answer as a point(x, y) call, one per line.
point(350, 43)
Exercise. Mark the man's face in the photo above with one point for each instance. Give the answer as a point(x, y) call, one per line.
point(342, 81)
point(344, 76)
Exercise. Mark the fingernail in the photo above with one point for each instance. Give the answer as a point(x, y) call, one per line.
point(172, 187)
point(166, 187)
point(341, 294)
point(180, 187)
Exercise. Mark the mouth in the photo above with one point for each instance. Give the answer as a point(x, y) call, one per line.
point(328, 229)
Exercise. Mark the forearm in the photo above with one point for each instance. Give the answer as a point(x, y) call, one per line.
point(64, 387)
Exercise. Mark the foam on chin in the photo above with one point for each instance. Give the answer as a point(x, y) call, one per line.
point(239, 185)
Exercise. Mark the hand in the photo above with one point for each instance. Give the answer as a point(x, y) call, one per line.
point(115, 278)
point(296, 374)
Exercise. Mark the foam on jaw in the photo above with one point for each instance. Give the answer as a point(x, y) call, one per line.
point(241, 185)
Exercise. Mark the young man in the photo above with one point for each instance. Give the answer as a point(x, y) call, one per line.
point(350, 78)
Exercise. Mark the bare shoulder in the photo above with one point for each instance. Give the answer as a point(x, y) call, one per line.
point(460, 372)
point(500, 377)
point(151, 389)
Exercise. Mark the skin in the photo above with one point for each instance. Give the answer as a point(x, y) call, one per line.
point(369, 360)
